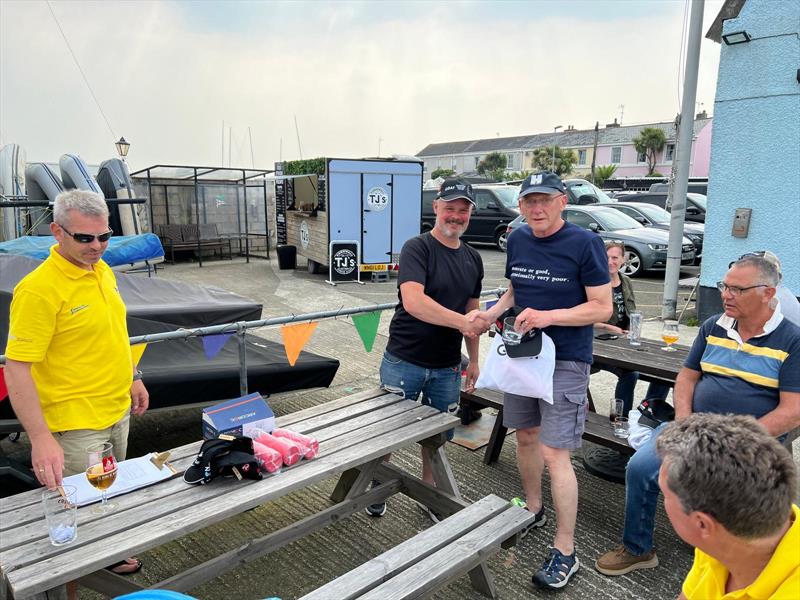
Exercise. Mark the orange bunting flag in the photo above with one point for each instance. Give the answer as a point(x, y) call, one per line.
point(136, 353)
point(295, 337)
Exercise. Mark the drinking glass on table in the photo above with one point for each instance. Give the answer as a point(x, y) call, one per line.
point(670, 335)
point(101, 473)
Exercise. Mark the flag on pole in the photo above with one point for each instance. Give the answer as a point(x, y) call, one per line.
point(212, 344)
point(136, 353)
point(295, 337)
point(367, 327)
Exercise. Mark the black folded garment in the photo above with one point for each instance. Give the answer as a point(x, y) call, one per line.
point(219, 457)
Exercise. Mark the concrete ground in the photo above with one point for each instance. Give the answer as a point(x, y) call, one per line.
point(308, 563)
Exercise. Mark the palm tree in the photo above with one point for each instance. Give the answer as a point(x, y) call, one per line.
point(603, 172)
point(649, 142)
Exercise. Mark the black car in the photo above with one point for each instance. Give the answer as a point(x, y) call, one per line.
point(650, 215)
point(580, 191)
point(495, 207)
point(695, 203)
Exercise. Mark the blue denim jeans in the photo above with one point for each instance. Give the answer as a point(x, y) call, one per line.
point(440, 388)
point(641, 497)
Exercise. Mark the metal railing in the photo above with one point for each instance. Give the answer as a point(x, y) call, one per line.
point(240, 328)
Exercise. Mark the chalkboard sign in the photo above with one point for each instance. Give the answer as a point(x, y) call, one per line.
point(343, 261)
point(280, 204)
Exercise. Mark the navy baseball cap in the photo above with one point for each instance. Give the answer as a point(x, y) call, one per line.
point(545, 182)
point(455, 189)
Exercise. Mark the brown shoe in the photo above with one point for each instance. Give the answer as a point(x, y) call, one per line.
point(619, 561)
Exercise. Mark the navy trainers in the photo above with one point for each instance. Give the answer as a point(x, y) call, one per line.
point(556, 570)
point(539, 518)
point(379, 508)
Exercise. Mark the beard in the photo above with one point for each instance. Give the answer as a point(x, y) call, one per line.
point(446, 228)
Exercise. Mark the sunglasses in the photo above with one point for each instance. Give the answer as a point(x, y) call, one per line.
point(88, 238)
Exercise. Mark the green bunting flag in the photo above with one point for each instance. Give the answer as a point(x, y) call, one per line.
point(367, 327)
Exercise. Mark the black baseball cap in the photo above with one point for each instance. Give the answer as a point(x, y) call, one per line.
point(455, 189)
point(544, 182)
point(531, 343)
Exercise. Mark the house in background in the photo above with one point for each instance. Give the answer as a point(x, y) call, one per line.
point(614, 146)
point(755, 149)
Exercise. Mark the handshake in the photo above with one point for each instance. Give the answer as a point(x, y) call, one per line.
point(475, 324)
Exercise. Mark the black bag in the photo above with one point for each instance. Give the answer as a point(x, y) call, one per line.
point(655, 412)
point(219, 457)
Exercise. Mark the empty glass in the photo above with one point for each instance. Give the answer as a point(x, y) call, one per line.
point(511, 336)
point(635, 328)
point(61, 514)
point(621, 427)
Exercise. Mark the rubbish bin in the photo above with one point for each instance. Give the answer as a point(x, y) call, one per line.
point(287, 257)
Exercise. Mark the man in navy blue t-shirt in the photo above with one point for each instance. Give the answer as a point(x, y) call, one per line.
point(559, 276)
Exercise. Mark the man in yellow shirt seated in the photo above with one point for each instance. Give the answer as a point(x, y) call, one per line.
point(728, 489)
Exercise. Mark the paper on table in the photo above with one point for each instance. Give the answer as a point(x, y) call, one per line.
point(132, 474)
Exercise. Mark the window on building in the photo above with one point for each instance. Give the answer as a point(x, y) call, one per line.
point(669, 153)
point(616, 154)
point(438, 163)
point(641, 157)
point(512, 161)
point(477, 161)
point(581, 157)
point(453, 165)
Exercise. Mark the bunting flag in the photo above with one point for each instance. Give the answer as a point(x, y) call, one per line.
point(3, 388)
point(487, 304)
point(136, 353)
point(212, 344)
point(367, 327)
point(295, 337)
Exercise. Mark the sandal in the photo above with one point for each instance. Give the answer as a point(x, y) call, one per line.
point(134, 565)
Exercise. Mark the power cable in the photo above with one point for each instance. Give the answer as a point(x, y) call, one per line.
point(85, 79)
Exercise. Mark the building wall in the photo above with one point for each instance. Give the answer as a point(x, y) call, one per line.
point(755, 146)
point(701, 153)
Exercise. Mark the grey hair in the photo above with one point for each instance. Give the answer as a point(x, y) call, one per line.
point(87, 203)
point(767, 271)
point(729, 467)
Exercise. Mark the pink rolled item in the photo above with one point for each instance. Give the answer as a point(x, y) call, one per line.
point(270, 460)
point(290, 452)
point(308, 444)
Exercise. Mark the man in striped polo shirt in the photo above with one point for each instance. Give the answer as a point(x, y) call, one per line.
point(744, 361)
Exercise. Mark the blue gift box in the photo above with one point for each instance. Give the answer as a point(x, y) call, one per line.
point(239, 416)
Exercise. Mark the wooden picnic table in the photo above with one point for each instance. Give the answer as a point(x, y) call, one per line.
point(354, 434)
point(653, 363)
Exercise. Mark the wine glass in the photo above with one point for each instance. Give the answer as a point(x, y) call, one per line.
point(101, 472)
point(670, 335)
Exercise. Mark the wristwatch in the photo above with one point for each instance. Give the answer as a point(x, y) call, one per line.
point(137, 376)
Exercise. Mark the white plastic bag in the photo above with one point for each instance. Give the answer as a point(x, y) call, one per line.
point(529, 376)
point(638, 434)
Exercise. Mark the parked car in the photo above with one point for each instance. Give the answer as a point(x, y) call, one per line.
point(495, 207)
point(650, 215)
point(695, 203)
point(580, 191)
point(695, 187)
point(645, 247)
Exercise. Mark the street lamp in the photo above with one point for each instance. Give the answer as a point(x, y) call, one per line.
point(555, 131)
point(122, 148)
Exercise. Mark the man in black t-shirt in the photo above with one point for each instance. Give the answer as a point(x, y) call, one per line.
point(439, 284)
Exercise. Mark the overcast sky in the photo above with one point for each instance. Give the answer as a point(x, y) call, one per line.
point(167, 74)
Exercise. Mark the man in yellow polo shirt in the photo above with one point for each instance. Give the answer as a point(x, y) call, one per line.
point(728, 489)
point(69, 371)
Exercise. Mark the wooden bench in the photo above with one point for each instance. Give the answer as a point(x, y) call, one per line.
point(597, 430)
point(431, 559)
point(193, 237)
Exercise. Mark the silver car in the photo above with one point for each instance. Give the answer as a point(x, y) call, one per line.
point(645, 247)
